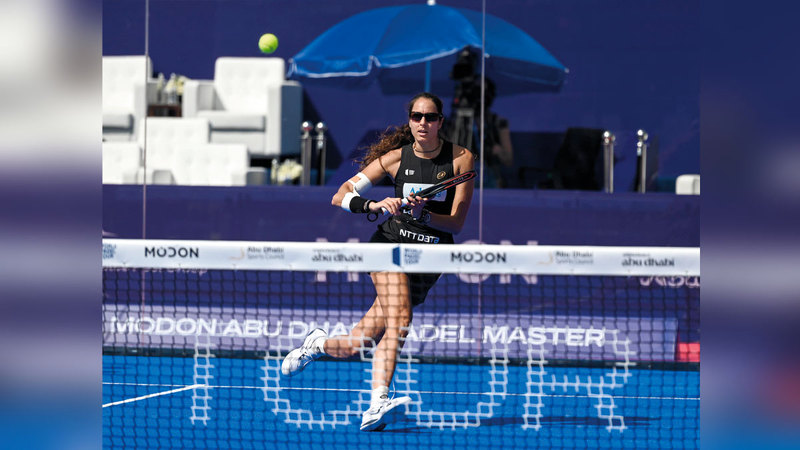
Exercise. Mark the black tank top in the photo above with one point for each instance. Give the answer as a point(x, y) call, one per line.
point(415, 174)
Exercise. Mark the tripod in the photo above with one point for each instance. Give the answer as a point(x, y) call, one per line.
point(462, 129)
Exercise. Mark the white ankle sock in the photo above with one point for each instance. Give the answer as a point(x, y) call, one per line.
point(378, 393)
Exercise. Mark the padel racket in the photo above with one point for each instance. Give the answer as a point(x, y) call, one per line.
point(433, 190)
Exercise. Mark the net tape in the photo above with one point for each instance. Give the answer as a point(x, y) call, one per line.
point(355, 257)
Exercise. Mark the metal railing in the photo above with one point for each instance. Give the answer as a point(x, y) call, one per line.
point(307, 151)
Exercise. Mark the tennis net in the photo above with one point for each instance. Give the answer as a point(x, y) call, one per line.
point(540, 346)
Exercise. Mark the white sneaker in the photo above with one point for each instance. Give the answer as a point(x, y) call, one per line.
point(299, 358)
point(382, 413)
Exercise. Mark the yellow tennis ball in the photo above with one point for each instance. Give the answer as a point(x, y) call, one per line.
point(268, 43)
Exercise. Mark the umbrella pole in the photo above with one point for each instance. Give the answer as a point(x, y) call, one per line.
point(427, 76)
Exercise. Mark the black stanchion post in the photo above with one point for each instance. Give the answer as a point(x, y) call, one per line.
point(608, 161)
point(321, 151)
point(305, 155)
point(641, 155)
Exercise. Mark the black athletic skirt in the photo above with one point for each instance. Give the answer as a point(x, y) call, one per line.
point(402, 230)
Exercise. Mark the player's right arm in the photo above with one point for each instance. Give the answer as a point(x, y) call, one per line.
point(351, 193)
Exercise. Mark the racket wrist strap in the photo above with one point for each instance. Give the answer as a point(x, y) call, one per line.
point(424, 217)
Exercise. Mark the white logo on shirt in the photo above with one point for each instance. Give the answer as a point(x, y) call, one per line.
point(413, 188)
point(409, 172)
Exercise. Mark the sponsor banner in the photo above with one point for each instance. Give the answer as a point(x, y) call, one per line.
point(458, 258)
point(549, 260)
point(243, 255)
point(447, 334)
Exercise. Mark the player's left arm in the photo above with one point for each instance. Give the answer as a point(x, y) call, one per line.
point(463, 161)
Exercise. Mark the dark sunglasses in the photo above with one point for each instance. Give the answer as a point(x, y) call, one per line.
point(429, 117)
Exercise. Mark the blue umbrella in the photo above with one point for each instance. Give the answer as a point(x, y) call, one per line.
point(404, 45)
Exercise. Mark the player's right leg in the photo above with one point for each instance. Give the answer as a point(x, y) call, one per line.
point(311, 350)
point(361, 338)
point(317, 343)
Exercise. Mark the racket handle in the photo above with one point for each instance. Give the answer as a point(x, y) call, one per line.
point(385, 211)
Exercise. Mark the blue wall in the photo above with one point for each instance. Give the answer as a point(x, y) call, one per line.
point(304, 214)
point(632, 63)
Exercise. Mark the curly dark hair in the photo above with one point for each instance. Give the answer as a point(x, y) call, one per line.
point(396, 136)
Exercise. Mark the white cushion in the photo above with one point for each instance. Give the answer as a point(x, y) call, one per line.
point(223, 120)
point(211, 165)
point(117, 119)
point(249, 101)
point(121, 160)
point(253, 140)
point(120, 75)
point(241, 83)
point(688, 184)
point(166, 134)
point(161, 176)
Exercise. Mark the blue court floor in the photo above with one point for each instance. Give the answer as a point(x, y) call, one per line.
point(159, 402)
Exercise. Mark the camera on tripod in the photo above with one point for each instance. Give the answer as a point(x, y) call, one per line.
point(468, 89)
point(463, 126)
point(466, 100)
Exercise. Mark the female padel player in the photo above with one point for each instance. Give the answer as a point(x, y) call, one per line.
point(415, 157)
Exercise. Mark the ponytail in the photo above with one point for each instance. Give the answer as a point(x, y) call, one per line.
point(392, 138)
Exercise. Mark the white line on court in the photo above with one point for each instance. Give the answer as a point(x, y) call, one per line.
point(366, 390)
point(157, 394)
